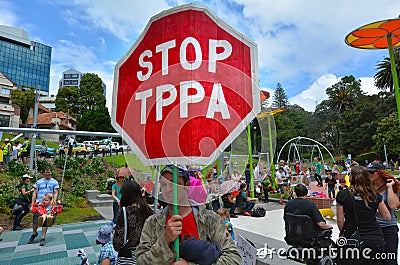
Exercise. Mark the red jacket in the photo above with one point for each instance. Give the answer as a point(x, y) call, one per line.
point(41, 209)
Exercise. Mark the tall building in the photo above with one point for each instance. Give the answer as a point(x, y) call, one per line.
point(72, 77)
point(25, 62)
point(9, 114)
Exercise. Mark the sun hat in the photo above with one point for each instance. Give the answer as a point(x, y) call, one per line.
point(6, 140)
point(27, 176)
point(374, 166)
point(103, 235)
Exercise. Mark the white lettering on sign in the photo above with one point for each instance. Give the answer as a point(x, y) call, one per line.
point(143, 96)
point(217, 100)
point(163, 48)
point(217, 103)
point(160, 102)
point(213, 56)
point(148, 65)
point(197, 49)
point(186, 99)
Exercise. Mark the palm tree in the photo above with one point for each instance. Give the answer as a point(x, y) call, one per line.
point(383, 78)
point(342, 95)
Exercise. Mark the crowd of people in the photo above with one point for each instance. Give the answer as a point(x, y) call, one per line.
point(137, 235)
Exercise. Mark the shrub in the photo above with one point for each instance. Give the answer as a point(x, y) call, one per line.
point(42, 164)
point(17, 169)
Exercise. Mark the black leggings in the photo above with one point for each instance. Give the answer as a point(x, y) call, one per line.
point(318, 178)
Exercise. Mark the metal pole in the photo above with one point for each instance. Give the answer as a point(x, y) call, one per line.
point(35, 117)
point(250, 161)
point(394, 74)
point(384, 148)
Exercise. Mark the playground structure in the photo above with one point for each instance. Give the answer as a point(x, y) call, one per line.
point(295, 145)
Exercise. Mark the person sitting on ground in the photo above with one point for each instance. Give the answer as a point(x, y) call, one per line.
point(230, 203)
point(302, 206)
point(107, 256)
point(249, 205)
point(201, 233)
point(226, 217)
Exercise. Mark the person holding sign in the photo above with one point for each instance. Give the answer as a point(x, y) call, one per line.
point(201, 233)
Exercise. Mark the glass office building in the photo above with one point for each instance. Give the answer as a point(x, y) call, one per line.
point(24, 62)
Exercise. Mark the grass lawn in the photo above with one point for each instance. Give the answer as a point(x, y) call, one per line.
point(131, 159)
point(75, 214)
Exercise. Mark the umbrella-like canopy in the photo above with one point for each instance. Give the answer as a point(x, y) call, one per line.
point(229, 186)
point(383, 34)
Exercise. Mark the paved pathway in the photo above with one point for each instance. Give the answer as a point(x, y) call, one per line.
point(62, 245)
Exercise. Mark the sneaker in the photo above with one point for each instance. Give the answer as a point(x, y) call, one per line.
point(282, 203)
point(32, 238)
point(42, 242)
point(40, 221)
point(246, 214)
point(234, 216)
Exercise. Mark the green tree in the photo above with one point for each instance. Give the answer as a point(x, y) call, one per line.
point(67, 100)
point(343, 95)
point(96, 119)
point(280, 99)
point(25, 99)
point(387, 132)
point(383, 78)
point(290, 124)
point(91, 92)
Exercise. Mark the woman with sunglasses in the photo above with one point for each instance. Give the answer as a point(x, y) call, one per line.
point(356, 210)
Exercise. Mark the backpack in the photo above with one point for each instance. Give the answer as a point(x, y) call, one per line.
point(258, 212)
point(110, 183)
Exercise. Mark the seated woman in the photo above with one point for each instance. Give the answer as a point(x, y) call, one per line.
point(244, 201)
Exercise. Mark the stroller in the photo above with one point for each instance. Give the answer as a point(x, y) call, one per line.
point(307, 243)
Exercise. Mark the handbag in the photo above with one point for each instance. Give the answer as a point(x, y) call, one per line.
point(126, 256)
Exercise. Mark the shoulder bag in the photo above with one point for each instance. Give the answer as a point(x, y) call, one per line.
point(126, 256)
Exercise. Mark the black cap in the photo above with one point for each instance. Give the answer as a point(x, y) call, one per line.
point(374, 166)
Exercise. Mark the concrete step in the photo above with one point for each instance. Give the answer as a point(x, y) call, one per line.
point(91, 194)
point(100, 203)
point(104, 197)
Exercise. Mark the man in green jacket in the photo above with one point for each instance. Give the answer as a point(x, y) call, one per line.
point(193, 222)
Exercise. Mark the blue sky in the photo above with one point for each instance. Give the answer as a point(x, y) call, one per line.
point(300, 43)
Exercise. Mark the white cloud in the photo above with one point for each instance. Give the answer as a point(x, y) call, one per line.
point(368, 85)
point(67, 54)
point(316, 93)
point(120, 19)
point(313, 95)
point(8, 16)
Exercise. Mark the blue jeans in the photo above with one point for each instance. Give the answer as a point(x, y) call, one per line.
point(115, 212)
point(249, 206)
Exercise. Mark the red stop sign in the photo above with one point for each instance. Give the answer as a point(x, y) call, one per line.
point(186, 88)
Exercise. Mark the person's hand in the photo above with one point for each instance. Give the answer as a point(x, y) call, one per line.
point(390, 183)
point(180, 262)
point(173, 229)
point(118, 201)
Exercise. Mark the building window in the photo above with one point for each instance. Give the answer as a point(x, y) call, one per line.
point(5, 91)
point(4, 121)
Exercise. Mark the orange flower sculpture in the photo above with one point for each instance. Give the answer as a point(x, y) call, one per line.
point(375, 35)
